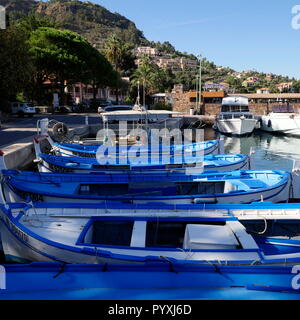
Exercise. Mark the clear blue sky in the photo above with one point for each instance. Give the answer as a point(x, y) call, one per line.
point(254, 34)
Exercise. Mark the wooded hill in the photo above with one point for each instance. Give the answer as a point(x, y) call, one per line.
point(90, 20)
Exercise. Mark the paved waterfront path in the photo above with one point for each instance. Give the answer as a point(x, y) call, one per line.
point(22, 130)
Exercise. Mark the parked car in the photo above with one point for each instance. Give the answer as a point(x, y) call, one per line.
point(63, 109)
point(23, 109)
point(100, 104)
point(117, 108)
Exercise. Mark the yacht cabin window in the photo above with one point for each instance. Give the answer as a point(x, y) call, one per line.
point(234, 108)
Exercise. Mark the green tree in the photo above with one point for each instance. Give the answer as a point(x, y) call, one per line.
point(34, 21)
point(100, 72)
point(147, 75)
point(15, 63)
point(119, 54)
point(296, 86)
point(65, 57)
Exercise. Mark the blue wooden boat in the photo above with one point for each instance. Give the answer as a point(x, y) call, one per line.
point(188, 235)
point(154, 281)
point(218, 187)
point(52, 163)
point(83, 150)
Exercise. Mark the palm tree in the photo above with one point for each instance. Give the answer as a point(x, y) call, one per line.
point(119, 54)
point(147, 74)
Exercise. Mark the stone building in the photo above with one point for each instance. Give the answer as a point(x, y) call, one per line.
point(211, 102)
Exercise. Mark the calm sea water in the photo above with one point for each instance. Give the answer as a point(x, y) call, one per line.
point(271, 152)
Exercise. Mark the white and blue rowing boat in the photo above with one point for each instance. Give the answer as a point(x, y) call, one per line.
point(177, 188)
point(84, 150)
point(52, 163)
point(189, 235)
point(143, 164)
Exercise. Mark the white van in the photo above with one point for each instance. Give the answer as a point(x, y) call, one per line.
point(23, 108)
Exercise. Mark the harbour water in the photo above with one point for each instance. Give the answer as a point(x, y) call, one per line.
point(271, 152)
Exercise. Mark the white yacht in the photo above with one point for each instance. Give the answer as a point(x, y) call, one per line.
point(283, 119)
point(235, 117)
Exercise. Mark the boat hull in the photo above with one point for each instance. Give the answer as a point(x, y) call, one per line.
point(275, 195)
point(237, 127)
point(222, 188)
point(209, 147)
point(283, 124)
point(241, 164)
point(148, 283)
point(279, 194)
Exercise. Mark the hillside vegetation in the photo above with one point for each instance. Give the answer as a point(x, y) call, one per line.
point(90, 20)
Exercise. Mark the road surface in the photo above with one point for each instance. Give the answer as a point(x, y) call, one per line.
point(17, 129)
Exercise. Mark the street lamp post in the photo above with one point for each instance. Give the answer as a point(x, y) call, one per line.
point(197, 94)
point(199, 85)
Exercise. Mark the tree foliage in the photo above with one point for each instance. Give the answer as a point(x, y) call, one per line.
point(58, 54)
point(119, 53)
point(15, 63)
point(147, 75)
point(65, 57)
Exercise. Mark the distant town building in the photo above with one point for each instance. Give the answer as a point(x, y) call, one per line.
point(146, 50)
point(188, 64)
point(248, 71)
point(237, 75)
point(284, 86)
point(263, 91)
point(269, 77)
point(250, 82)
point(213, 86)
point(166, 63)
point(176, 64)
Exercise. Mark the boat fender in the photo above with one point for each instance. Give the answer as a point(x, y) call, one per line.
point(270, 124)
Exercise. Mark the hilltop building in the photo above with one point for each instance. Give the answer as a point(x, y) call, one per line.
point(269, 77)
point(284, 86)
point(165, 61)
point(263, 91)
point(146, 51)
point(214, 86)
point(176, 64)
point(251, 82)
